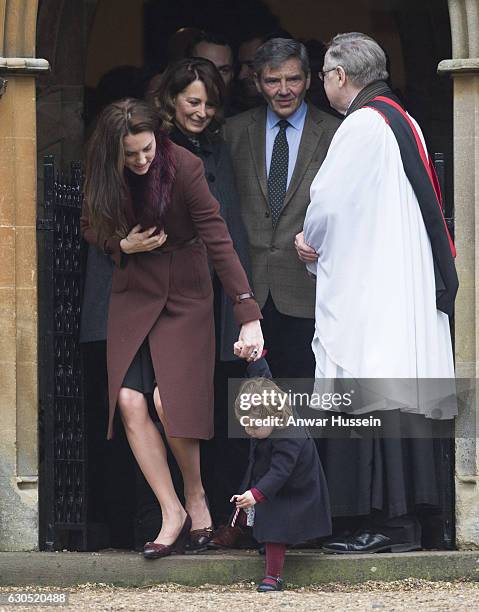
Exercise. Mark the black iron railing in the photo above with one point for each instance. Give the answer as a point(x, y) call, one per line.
point(63, 487)
point(447, 536)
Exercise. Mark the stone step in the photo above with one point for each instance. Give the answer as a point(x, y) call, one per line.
point(302, 567)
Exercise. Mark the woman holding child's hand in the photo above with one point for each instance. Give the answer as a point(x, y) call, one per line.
point(250, 343)
point(147, 205)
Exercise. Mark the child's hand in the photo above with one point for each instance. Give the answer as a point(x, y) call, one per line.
point(237, 348)
point(244, 501)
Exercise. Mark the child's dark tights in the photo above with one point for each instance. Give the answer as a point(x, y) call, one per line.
point(274, 560)
point(274, 555)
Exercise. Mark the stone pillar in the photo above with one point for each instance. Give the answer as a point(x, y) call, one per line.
point(18, 278)
point(464, 69)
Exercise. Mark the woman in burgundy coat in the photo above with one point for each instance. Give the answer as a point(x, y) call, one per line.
point(147, 204)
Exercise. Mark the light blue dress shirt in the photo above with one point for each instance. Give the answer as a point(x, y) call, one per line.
point(293, 135)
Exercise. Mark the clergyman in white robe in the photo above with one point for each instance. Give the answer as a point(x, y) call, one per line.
point(376, 315)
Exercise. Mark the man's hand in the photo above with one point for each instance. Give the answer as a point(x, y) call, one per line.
point(305, 253)
point(244, 501)
point(140, 242)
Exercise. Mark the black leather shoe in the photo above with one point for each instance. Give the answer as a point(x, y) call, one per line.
point(367, 541)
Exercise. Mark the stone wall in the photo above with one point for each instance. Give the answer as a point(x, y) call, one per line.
point(18, 280)
point(464, 69)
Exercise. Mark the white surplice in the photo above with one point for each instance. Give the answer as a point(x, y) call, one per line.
point(376, 314)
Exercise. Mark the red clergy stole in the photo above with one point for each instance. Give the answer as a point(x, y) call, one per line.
point(421, 174)
point(426, 160)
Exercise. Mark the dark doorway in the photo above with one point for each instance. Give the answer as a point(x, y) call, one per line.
point(416, 36)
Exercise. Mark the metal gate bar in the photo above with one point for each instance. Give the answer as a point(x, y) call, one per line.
point(63, 486)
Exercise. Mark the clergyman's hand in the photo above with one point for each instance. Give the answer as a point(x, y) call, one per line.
point(305, 253)
point(140, 242)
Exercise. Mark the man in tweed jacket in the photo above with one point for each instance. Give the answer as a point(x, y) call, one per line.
point(281, 284)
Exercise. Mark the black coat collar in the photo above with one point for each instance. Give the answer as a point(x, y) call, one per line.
point(205, 141)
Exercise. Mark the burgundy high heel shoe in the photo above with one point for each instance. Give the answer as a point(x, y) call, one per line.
point(200, 538)
point(152, 550)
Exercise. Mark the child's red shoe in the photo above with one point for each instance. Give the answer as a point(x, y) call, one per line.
point(269, 584)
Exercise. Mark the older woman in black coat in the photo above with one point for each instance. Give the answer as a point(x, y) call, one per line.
point(189, 96)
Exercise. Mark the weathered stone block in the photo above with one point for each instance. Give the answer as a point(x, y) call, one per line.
point(27, 414)
point(7, 192)
point(467, 513)
point(7, 257)
point(7, 326)
point(25, 182)
point(25, 258)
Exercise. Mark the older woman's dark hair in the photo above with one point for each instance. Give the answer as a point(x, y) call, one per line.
point(276, 51)
point(177, 78)
point(105, 187)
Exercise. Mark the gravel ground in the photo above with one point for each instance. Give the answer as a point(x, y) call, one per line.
point(399, 596)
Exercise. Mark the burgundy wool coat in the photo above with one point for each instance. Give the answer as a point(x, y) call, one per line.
point(167, 295)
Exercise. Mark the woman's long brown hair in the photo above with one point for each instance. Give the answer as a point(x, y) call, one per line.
point(105, 186)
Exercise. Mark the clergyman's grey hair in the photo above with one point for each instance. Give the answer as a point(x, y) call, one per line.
point(361, 57)
point(276, 51)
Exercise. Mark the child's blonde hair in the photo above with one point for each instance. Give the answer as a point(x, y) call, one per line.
point(275, 401)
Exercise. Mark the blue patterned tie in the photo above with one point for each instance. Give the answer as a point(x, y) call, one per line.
point(278, 172)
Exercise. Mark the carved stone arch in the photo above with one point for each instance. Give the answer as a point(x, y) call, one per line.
point(464, 15)
point(18, 24)
point(31, 27)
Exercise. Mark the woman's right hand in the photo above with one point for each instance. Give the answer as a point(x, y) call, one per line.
point(139, 242)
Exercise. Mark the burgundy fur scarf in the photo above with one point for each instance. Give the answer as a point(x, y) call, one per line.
point(152, 196)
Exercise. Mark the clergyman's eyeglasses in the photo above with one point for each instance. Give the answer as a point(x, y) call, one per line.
point(321, 73)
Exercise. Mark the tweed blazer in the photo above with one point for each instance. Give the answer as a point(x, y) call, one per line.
point(276, 268)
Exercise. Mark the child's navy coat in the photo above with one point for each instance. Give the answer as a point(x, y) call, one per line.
point(288, 472)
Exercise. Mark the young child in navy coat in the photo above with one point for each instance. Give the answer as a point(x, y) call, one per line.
point(284, 481)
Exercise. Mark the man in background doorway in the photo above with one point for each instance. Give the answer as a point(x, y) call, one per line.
point(246, 94)
point(218, 50)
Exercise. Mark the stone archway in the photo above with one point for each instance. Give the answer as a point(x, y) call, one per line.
point(464, 69)
point(18, 292)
